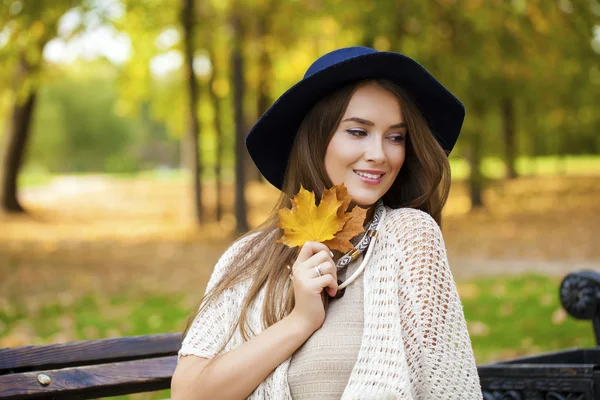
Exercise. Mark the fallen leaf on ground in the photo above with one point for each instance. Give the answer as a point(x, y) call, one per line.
point(478, 328)
point(559, 316)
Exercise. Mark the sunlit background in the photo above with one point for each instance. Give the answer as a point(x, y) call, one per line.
point(111, 223)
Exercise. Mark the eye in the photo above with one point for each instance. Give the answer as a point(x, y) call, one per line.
point(356, 132)
point(398, 138)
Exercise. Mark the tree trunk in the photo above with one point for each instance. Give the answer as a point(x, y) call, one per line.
point(238, 96)
point(508, 119)
point(263, 100)
point(264, 66)
point(15, 143)
point(475, 178)
point(191, 154)
point(216, 103)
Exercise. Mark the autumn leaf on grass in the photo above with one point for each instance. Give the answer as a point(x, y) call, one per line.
point(327, 223)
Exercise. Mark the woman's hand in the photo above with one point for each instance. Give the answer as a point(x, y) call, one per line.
point(308, 285)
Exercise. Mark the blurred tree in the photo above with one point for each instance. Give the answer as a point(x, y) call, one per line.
point(191, 149)
point(75, 126)
point(267, 36)
point(453, 48)
point(495, 56)
point(27, 26)
point(215, 37)
point(216, 91)
point(237, 69)
point(258, 42)
point(171, 30)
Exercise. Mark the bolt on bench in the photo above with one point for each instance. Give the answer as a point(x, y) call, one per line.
point(111, 367)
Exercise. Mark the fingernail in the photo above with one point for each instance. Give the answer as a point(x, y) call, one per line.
point(331, 252)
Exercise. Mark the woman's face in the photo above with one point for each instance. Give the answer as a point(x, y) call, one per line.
point(368, 147)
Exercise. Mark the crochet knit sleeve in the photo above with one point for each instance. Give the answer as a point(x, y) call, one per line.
point(210, 328)
point(433, 323)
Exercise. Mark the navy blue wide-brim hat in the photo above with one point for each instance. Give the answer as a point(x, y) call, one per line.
point(269, 142)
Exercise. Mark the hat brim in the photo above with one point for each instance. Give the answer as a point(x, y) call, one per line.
point(270, 140)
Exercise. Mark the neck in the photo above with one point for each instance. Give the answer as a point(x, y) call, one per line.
point(370, 213)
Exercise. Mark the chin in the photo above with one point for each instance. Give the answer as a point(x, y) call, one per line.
point(364, 201)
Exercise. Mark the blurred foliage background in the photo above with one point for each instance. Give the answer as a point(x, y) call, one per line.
point(123, 174)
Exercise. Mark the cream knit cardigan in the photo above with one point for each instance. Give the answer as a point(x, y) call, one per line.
point(415, 342)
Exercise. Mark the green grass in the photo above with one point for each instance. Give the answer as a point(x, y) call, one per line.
point(519, 315)
point(508, 317)
point(31, 178)
point(494, 168)
point(94, 316)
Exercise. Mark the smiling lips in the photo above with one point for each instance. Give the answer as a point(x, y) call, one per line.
point(371, 177)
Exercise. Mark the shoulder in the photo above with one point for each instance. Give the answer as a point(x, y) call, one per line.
point(411, 232)
point(410, 221)
point(416, 240)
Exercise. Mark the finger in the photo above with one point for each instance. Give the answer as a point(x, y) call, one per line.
point(308, 267)
point(306, 251)
point(327, 282)
point(321, 247)
point(316, 259)
point(326, 267)
point(311, 248)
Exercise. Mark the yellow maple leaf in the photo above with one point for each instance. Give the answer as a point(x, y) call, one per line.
point(308, 222)
point(327, 223)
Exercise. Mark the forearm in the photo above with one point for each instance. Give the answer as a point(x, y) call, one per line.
point(235, 374)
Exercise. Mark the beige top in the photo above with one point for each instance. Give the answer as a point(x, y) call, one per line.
point(321, 367)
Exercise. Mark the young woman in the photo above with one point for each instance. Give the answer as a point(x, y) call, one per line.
point(278, 323)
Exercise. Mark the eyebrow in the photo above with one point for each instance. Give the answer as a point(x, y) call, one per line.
point(369, 123)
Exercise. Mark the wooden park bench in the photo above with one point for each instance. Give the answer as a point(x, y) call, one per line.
point(111, 367)
point(89, 369)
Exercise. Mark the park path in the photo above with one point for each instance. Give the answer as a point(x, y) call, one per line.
point(91, 190)
point(66, 186)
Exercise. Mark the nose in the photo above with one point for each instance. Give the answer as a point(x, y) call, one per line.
point(374, 151)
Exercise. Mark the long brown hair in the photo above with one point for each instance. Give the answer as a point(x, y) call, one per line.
point(423, 183)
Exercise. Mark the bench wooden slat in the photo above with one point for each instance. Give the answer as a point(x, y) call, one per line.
point(31, 358)
point(92, 382)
